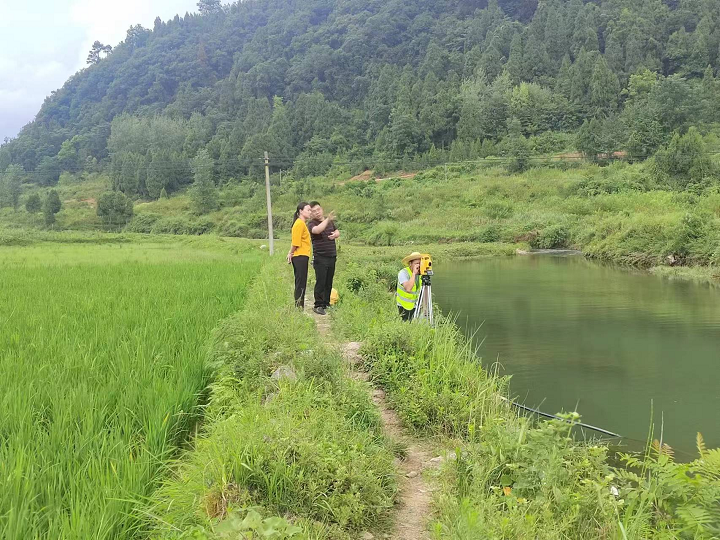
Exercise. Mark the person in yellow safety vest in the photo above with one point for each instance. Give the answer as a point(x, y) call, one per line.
point(408, 286)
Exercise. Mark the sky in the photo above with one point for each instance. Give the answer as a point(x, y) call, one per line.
point(43, 42)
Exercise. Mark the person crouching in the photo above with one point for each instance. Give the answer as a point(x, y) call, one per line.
point(408, 286)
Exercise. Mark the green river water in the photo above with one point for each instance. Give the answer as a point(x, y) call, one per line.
point(606, 341)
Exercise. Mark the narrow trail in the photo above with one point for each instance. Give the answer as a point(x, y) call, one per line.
point(413, 507)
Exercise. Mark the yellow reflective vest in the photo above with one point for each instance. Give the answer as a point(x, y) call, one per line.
point(408, 299)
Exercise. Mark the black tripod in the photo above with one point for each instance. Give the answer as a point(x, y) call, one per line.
point(423, 306)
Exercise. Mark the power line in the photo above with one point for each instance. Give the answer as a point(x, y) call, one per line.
point(169, 165)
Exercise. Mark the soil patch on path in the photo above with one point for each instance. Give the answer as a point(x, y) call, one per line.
point(413, 506)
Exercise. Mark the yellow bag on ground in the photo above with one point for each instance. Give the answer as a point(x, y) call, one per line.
point(334, 297)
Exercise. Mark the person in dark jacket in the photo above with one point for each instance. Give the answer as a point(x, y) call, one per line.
point(323, 234)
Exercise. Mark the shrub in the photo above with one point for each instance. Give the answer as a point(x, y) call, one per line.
point(518, 153)
point(685, 160)
point(552, 237)
point(496, 209)
point(115, 209)
point(490, 233)
point(383, 234)
point(142, 223)
point(173, 225)
point(233, 228)
point(202, 225)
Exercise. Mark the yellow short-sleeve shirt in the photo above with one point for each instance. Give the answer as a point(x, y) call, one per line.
point(300, 238)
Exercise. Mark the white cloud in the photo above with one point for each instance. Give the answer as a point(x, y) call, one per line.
point(43, 42)
point(109, 22)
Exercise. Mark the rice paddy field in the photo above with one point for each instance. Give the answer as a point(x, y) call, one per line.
point(103, 369)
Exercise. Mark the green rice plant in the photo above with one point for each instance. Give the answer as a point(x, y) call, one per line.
point(102, 372)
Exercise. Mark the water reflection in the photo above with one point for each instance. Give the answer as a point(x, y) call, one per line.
point(606, 340)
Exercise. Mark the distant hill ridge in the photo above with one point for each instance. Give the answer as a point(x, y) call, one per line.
point(312, 79)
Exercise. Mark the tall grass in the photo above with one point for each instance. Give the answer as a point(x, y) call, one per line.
point(308, 446)
point(101, 370)
point(513, 476)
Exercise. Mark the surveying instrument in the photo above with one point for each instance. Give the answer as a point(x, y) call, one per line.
point(423, 306)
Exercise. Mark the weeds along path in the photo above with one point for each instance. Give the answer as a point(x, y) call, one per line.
point(415, 490)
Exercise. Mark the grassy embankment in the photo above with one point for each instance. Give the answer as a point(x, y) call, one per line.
point(513, 476)
point(102, 371)
point(307, 445)
point(617, 213)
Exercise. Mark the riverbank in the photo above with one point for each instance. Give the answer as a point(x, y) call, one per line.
point(516, 476)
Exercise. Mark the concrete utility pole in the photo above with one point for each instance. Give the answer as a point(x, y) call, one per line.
point(269, 203)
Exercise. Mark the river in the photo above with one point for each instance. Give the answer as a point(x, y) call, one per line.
point(610, 342)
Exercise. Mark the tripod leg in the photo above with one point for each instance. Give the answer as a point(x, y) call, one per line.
point(418, 304)
point(430, 306)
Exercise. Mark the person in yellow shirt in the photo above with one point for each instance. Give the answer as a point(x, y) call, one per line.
point(299, 254)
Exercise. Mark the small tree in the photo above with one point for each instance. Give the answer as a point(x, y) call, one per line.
point(597, 139)
point(97, 49)
point(203, 195)
point(163, 194)
point(209, 6)
point(11, 186)
point(518, 153)
point(51, 206)
point(685, 160)
point(33, 204)
point(115, 209)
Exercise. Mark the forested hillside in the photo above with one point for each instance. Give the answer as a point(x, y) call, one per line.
point(363, 81)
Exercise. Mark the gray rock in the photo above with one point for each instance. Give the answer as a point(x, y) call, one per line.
point(367, 536)
point(284, 373)
point(412, 474)
point(352, 348)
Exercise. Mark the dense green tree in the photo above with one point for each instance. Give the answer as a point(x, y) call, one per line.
point(484, 109)
point(685, 160)
point(515, 65)
point(597, 139)
point(491, 62)
point(555, 35)
point(97, 51)
point(563, 83)
point(33, 204)
point(48, 171)
point(252, 155)
point(404, 136)
point(373, 78)
point(114, 209)
point(604, 89)
point(11, 186)
point(203, 194)
point(518, 153)
point(281, 135)
point(51, 206)
point(67, 157)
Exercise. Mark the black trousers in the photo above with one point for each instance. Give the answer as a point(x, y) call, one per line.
point(405, 314)
point(324, 274)
point(300, 267)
